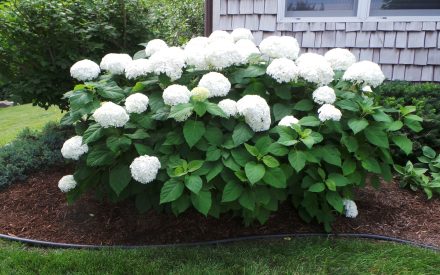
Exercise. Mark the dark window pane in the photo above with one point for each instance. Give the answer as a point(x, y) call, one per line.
point(405, 7)
point(318, 8)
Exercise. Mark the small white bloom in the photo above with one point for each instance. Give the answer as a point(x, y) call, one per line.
point(246, 48)
point(288, 121)
point(67, 183)
point(74, 148)
point(111, 115)
point(216, 83)
point(199, 94)
point(323, 95)
point(350, 208)
point(144, 169)
point(85, 70)
point(136, 103)
point(221, 54)
point(283, 70)
point(176, 94)
point(280, 46)
point(256, 112)
point(242, 33)
point(367, 89)
point(365, 72)
point(115, 63)
point(220, 36)
point(340, 59)
point(154, 46)
point(329, 112)
point(195, 53)
point(315, 69)
point(229, 107)
point(169, 61)
point(137, 68)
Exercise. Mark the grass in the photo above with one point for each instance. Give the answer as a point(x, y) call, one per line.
point(295, 256)
point(14, 119)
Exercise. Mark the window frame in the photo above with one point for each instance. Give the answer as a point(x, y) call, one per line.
point(362, 15)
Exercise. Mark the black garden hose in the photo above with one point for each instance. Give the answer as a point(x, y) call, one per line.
point(219, 242)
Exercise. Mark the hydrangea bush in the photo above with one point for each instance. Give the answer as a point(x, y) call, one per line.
point(222, 125)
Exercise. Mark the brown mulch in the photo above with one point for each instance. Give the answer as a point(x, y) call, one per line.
point(37, 209)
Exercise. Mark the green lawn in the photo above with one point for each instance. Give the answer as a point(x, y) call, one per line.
point(296, 256)
point(14, 119)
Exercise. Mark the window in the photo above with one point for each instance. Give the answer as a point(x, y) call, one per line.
point(358, 10)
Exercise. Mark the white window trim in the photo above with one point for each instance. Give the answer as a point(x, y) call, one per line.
point(362, 16)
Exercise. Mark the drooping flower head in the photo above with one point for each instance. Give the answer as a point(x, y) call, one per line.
point(329, 112)
point(67, 183)
point(256, 112)
point(288, 121)
point(280, 46)
point(144, 169)
point(242, 33)
point(154, 46)
point(136, 103)
point(137, 68)
point(73, 148)
point(216, 83)
point(176, 94)
point(229, 107)
point(199, 93)
point(365, 72)
point(315, 69)
point(111, 115)
point(350, 208)
point(85, 70)
point(324, 95)
point(169, 61)
point(283, 70)
point(115, 63)
point(340, 59)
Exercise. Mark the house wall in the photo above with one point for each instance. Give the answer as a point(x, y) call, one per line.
point(405, 50)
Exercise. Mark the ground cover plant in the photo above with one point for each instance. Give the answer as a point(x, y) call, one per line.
point(223, 125)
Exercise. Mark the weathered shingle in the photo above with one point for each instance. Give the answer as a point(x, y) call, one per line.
point(389, 56)
point(416, 39)
point(340, 26)
point(300, 27)
point(308, 40)
point(268, 22)
point(434, 57)
point(246, 6)
point(387, 71)
point(428, 26)
point(258, 36)
point(414, 26)
point(233, 6)
point(413, 73)
point(366, 54)
point(401, 39)
point(330, 26)
point(340, 39)
point(259, 6)
point(390, 39)
point(385, 26)
point(356, 52)
point(399, 26)
point(271, 6)
point(376, 55)
point(317, 26)
point(328, 39)
point(350, 39)
point(284, 26)
point(223, 7)
point(318, 39)
point(252, 22)
point(398, 72)
point(369, 26)
point(421, 57)
point(427, 73)
point(298, 36)
point(238, 21)
point(377, 39)
point(363, 39)
point(225, 23)
point(436, 73)
point(352, 26)
point(406, 56)
point(431, 39)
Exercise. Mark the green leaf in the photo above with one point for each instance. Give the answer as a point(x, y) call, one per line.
point(181, 111)
point(381, 116)
point(213, 154)
point(351, 143)
point(348, 167)
point(110, 90)
point(215, 110)
point(270, 161)
point(93, 133)
point(317, 187)
point(339, 179)
point(214, 135)
point(407, 110)
point(171, 191)
point(139, 134)
point(254, 172)
point(347, 104)
point(194, 183)
point(195, 165)
point(304, 105)
point(200, 108)
point(428, 152)
point(217, 169)
point(331, 184)
point(100, 156)
point(242, 133)
point(247, 200)
point(297, 160)
point(371, 165)
point(118, 143)
point(395, 126)
point(377, 137)
point(357, 125)
point(278, 150)
point(232, 191)
point(275, 177)
point(335, 200)
point(143, 149)
point(331, 155)
point(252, 150)
point(413, 125)
point(404, 143)
point(120, 177)
point(202, 201)
point(193, 131)
point(310, 121)
point(281, 110)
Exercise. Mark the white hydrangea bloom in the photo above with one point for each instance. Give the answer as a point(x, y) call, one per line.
point(242, 33)
point(137, 68)
point(195, 53)
point(324, 95)
point(111, 115)
point(280, 46)
point(144, 169)
point(229, 107)
point(315, 68)
point(115, 63)
point(256, 112)
point(85, 70)
point(154, 46)
point(340, 59)
point(220, 36)
point(222, 54)
point(350, 208)
point(176, 94)
point(169, 61)
point(136, 103)
point(367, 89)
point(283, 70)
point(74, 148)
point(216, 83)
point(288, 121)
point(199, 94)
point(329, 112)
point(365, 72)
point(246, 48)
point(197, 42)
point(67, 183)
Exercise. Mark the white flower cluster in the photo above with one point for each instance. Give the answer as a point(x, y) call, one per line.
point(256, 112)
point(67, 183)
point(144, 169)
point(324, 95)
point(169, 61)
point(288, 121)
point(199, 94)
point(137, 68)
point(315, 68)
point(136, 103)
point(221, 54)
point(221, 36)
point(242, 33)
point(111, 115)
point(85, 70)
point(280, 46)
point(176, 94)
point(195, 53)
point(283, 70)
point(340, 59)
point(73, 148)
point(216, 83)
point(350, 208)
point(229, 107)
point(365, 72)
point(329, 112)
point(246, 48)
point(154, 46)
point(115, 63)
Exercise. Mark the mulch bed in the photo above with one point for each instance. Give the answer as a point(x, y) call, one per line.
point(37, 209)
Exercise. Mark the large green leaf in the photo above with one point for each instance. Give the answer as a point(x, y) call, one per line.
point(214, 135)
point(357, 125)
point(120, 177)
point(194, 183)
point(339, 179)
point(270, 161)
point(215, 110)
point(115, 143)
point(231, 191)
point(377, 136)
point(171, 191)
point(281, 110)
point(100, 156)
point(275, 177)
point(110, 90)
point(297, 160)
point(309, 121)
point(348, 167)
point(247, 200)
point(331, 155)
point(202, 201)
point(254, 172)
point(93, 133)
point(181, 111)
point(193, 131)
point(242, 133)
point(404, 143)
point(304, 105)
point(317, 187)
point(335, 200)
point(371, 165)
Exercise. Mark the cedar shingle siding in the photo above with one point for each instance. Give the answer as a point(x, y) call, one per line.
point(405, 50)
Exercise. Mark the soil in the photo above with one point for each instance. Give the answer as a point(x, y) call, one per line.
point(37, 209)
